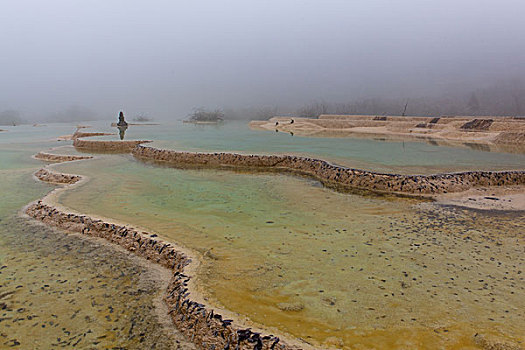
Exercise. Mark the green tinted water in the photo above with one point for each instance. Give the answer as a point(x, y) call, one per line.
point(330, 268)
point(355, 270)
point(391, 156)
point(63, 291)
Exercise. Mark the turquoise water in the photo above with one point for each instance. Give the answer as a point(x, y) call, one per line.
point(63, 291)
point(395, 156)
point(28, 134)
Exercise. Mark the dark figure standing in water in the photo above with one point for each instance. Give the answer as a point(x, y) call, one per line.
point(121, 121)
point(122, 125)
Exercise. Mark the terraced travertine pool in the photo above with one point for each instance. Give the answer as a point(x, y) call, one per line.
point(62, 291)
point(333, 269)
point(408, 157)
point(314, 263)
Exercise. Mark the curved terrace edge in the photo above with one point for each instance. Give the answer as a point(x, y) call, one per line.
point(340, 177)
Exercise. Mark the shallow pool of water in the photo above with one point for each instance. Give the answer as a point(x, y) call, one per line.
point(333, 269)
point(372, 154)
point(324, 266)
point(58, 290)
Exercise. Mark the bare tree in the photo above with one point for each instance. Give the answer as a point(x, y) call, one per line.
point(203, 115)
point(405, 109)
point(10, 117)
point(142, 118)
point(312, 110)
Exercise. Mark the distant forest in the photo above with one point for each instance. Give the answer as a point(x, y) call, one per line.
point(500, 99)
point(503, 99)
point(70, 114)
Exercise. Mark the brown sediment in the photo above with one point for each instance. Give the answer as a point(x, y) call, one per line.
point(58, 158)
point(510, 138)
point(106, 146)
point(79, 134)
point(56, 178)
point(490, 130)
point(340, 177)
point(488, 342)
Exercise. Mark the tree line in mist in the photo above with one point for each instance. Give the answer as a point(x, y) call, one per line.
point(501, 99)
point(73, 113)
point(498, 101)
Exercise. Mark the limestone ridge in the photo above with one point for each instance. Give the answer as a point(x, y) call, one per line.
point(58, 158)
point(107, 146)
point(502, 132)
point(341, 177)
point(46, 175)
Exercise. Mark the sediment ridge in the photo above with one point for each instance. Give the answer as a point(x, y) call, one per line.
point(79, 134)
point(58, 158)
point(341, 177)
point(107, 146)
point(56, 178)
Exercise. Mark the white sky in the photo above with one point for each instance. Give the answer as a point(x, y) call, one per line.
point(165, 57)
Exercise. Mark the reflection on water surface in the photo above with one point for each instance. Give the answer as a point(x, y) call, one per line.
point(364, 153)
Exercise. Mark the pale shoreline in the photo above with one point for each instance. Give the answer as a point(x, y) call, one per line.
point(505, 133)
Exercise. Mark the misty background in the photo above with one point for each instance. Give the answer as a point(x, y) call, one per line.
point(80, 60)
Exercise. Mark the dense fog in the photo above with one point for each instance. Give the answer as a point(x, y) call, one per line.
point(73, 60)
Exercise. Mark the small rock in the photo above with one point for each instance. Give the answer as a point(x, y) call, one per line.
point(290, 306)
point(334, 342)
point(210, 255)
point(489, 342)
